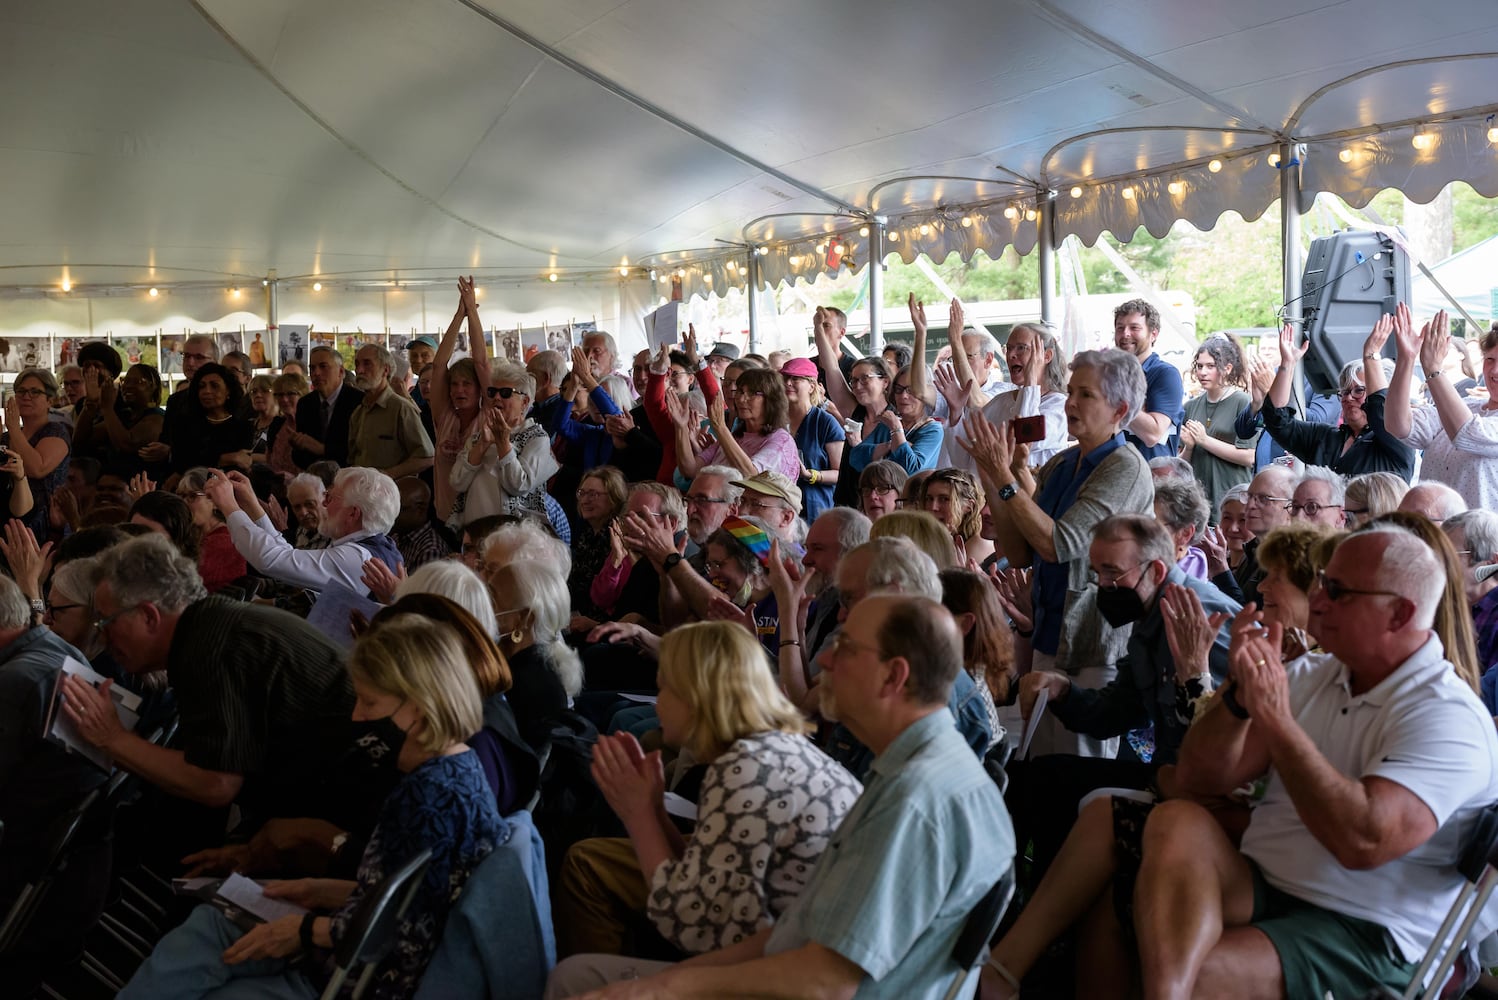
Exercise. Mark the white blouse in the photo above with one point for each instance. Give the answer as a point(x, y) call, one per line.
point(1468, 463)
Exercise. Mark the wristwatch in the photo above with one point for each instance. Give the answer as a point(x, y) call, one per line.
point(669, 563)
point(38, 606)
point(1008, 492)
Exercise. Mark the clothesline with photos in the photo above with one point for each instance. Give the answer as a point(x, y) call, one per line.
point(271, 348)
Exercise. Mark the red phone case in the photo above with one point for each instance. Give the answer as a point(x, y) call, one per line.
point(1028, 430)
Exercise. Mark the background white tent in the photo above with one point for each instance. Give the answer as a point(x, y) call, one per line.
point(204, 144)
point(1470, 276)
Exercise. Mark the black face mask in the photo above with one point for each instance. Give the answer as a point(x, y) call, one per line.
point(378, 742)
point(1120, 606)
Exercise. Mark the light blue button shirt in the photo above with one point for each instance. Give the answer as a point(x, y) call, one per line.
point(923, 843)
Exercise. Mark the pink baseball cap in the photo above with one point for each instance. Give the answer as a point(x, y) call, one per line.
point(799, 368)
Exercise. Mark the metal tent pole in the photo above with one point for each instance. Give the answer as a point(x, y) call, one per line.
point(1290, 256)
point(1046, 258)
point(876, 286)
point(753, 272)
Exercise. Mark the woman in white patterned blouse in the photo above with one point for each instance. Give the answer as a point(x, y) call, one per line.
point(769, 803)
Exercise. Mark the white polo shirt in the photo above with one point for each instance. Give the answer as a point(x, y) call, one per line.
point(1423, 728)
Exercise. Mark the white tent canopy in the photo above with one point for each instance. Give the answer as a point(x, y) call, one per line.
point(182, 141)
point(1470, 276)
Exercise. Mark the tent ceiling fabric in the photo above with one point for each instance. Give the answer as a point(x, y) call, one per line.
point(203, 139)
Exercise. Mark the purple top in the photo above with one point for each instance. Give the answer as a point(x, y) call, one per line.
point(1194, 563)
point(776, 450)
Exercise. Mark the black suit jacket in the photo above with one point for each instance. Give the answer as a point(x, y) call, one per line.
point(309, 421)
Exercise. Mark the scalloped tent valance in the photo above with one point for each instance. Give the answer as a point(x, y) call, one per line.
point(214, 140)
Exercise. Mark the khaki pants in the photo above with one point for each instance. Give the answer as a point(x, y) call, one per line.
point(602, 897)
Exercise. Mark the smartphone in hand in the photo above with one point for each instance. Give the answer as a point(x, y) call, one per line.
point(1028, 430)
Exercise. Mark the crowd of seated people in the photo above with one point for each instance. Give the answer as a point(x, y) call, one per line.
point(747, 643)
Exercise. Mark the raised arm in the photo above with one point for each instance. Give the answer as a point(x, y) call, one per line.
point(733, 453)
point(1435, 344)
point(1373, 362)
point(478, 349)
point(837, 386)
point(920, 378)
point(1284, 377)
point(1399, 416)
point(441, 402)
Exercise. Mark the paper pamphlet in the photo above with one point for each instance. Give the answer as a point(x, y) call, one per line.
point(679, 807)
point(661, 325)
point(1035, 716)
point(250, 897)
point(330, 612)
point(60, 728)
point(643, 699)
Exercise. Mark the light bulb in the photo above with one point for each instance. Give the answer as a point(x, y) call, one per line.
point(1274, 159)
point(552, 276)
point(1010, 212)
point(153, 293)
point(478, 293)
point(1076, 192)
point(317, 285)
point(794, 261)
point(1345, 156)
point(821, 248)
point(894, 236)
point(264, 282)
point(234, 292)
point(1422, 139)
point(763, 251)
point(1493, 134)
point(967, 221)
point(1030, 214)
point(925, 229)
point(1175, 187)
point(681, 272)
point(864, 230)
point(624, 272)
point(707, 279)
point(67, 285)
point(1128, 194)
point(732, 266)
point(1214, 165)
point(837, 249)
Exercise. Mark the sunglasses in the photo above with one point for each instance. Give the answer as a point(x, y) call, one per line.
point(504, 391)
point(1336, 590)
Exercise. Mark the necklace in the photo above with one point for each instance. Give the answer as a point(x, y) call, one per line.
point(1211, 411)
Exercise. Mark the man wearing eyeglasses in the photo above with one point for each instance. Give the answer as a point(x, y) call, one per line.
point(1266, 507)
point(1318, 498)
point(385, 431)
point(1379, 759)
point(1362, 443)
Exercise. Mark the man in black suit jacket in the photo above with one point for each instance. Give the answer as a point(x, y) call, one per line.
point(319, 437)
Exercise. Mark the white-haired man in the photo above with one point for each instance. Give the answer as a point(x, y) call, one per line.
point(384, 431)
point(1379, 759)
point(1318, 498)
point(357, 512)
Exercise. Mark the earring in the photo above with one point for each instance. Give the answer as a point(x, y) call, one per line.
point(517, 635)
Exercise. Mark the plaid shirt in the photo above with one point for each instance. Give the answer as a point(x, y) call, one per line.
point(421, 546)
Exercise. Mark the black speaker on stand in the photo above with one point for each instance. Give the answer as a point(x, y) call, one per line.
point(1351, 278)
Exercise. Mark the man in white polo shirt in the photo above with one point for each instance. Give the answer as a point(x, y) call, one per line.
point(1379, 759)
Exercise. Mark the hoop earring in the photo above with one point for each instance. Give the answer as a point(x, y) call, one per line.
point(517, 635)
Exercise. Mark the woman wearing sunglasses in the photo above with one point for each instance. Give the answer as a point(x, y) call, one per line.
point(1362, 443)
point(506, 460)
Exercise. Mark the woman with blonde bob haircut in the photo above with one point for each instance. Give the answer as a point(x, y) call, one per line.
point(924, 530)
point(769, 803)
point(411, 681)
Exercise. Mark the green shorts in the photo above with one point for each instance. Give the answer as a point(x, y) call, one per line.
point(1321, 951)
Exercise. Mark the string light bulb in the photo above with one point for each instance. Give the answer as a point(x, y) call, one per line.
point(1010, 212)
point(1030, 214)
point(1128, 194)
point(836, 249)
point(967, 222)
point(153, 293)
point(707, 279)
point(552, 276)
point(67, 285)
point(317, 285)
point(732, 266)
point(794, 261)
point(1345, 156)
point(681, 272)
point(623, 272)
point(234, 293)
point(864, 230)
point(1214, 165)
point(894, 236)
point(1274, 159)
point(763, 251)
point(925, 229)
point(1076, 191)
point(1493, 135)
point(1176, 187)
point(1422, 139)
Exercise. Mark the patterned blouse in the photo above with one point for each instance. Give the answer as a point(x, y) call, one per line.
point(768, 807)
point(444, 805)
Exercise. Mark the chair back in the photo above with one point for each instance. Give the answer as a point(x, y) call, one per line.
point(15, 921)
point(1476, 863)
point(372, 928)
point(979, 928)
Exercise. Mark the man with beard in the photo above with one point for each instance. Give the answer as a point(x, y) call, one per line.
point(385, 431)
point(1136, 326)
point(357, 512)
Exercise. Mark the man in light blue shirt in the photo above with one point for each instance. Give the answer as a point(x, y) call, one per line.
point(925, 841)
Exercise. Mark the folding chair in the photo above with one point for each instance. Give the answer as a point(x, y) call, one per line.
point(16, 920)
point(979, 928)
point(371, 931)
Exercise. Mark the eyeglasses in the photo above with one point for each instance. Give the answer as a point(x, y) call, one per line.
point(900, 390)
point(1354, 392)
point(100, 624)
point(752, 395)
point(701, 500)
point(591, 494)
point(713, 565)
point(841, 643)
point(504, 392)
point(1335, 590)
point(762, 504)
point(729, 388)
point(195, 356)
point(679, 373)
point(862, 380)
point(192, 495)
point(1311, 508)
point(53, 609)
point(877, 491)
point(1265, 500)
point(30, 393)
point(1354, 511)
point(1115, 578)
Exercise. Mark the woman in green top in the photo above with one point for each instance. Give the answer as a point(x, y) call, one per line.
point(1220, 459)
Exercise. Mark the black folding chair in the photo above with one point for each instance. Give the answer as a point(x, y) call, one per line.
point(979, 928)
point(30, 897)
point(372, 929)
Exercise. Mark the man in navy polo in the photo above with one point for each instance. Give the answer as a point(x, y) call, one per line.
point(1136, 326)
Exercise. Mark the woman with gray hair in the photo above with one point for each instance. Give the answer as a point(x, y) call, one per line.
point(1362, 443)
point(505, 463)
point(1047, 519)
point(1181, 507)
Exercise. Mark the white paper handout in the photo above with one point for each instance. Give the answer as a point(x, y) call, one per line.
point(330, 614)
point(60, 728)
point(1035, 716)
point(682, 808)
point(661, 326)
point(249, 896)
